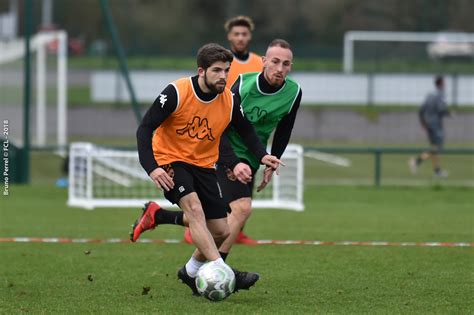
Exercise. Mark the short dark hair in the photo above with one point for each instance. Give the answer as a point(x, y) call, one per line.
point(211, 53)
point(439, 80)
point(240, 20)
point(280, 43)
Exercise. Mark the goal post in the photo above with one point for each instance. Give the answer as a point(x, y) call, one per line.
point(106, 177)
point(50, 81)
point(351, 37)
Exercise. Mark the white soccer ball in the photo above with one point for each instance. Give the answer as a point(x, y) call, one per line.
point(215, 281)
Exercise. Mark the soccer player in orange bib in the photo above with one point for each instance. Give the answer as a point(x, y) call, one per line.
point(178, 145)
point(239, 34)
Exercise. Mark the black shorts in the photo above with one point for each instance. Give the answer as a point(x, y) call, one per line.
point(203, 181)
point(436, 136)
point(232, 189)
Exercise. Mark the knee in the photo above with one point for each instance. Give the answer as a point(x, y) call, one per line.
point(221, 233)
point(195, 213)
point(242, 210)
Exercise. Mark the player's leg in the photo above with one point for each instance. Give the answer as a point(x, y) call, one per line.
point(196, 220)
point(206, 216)
point(241, 210)
point(239, 196)
point(437, 142)
point(154, 215)
point(415, 162)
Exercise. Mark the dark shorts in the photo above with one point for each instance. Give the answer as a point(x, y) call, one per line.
point(436, 136)
point(232, 189)
point(203, 181)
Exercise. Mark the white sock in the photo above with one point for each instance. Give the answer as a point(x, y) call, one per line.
point(219, 261)
point(192, 266)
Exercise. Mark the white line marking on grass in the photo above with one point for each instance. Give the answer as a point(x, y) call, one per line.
point(260, 242)
point(328, 158)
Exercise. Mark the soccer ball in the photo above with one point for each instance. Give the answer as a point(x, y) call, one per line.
point(215, 281)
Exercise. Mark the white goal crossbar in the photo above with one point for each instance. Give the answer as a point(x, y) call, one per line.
point(105, 177)
point(385, 36)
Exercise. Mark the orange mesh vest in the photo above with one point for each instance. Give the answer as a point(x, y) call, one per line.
point(253, 64)
point(192, 132)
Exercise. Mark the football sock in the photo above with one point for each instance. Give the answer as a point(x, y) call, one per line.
point(223, 255)
point(192, 266)
point(169, 217)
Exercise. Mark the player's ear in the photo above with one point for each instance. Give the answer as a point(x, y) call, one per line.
point(201, 71)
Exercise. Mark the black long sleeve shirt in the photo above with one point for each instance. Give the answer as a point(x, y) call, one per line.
point(166, 103)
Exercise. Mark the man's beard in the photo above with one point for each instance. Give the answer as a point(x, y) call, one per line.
point(213, 87)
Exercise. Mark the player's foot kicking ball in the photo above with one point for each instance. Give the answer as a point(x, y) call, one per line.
point(189, 281)
point(244, 280)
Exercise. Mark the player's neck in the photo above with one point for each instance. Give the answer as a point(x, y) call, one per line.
point(265, 86)
point(241, 55)
point(202, 86)
point(201, 89)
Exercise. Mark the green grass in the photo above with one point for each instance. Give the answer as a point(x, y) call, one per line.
point(296, 279)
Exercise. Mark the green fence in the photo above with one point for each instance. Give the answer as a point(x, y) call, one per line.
point(464, 166)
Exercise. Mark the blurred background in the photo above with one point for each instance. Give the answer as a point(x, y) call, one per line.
point(361, 90)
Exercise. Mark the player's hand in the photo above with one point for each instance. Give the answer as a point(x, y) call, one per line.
point(243, 173)
point(272, 161)
point(267, 176)
point(161, 179)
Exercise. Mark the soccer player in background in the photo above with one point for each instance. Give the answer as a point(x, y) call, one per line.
point(178, 144)
point(431, 115)
point(239, 34)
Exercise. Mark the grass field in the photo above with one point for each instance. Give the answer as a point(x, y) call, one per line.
point(295, 279)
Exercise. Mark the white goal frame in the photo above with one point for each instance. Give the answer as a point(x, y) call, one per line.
point(381, 36)
point(87, 160)
point(14, 50)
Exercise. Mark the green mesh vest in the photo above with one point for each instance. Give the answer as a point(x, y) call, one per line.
point(263, 110)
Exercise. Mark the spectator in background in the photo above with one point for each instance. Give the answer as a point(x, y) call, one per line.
point(431, 115)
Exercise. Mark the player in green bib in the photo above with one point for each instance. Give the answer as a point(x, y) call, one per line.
point(263, 110)
point(270, 101)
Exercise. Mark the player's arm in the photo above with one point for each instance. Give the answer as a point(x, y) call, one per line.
point(226, 153)
point(248, 134)
point(164, 105)
point(284, 128)
point(281, 138)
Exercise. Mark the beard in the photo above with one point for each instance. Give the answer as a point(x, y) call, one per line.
point(213, 86)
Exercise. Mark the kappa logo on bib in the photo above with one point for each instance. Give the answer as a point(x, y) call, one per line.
point(197, 128)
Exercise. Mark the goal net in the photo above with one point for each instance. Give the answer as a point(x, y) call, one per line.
point(48, 91)
point(105, 177)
